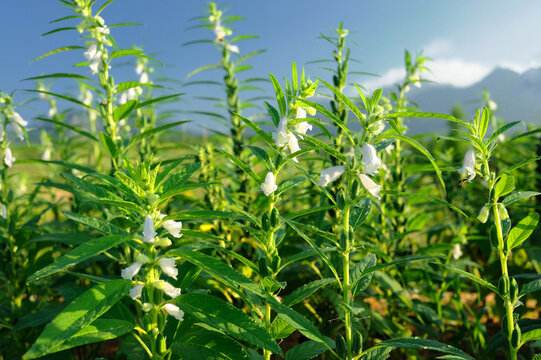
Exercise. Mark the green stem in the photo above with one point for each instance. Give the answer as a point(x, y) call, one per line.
point(267, 353)
point(346, 283)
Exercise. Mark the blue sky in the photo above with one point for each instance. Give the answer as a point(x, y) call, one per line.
point(466, 38)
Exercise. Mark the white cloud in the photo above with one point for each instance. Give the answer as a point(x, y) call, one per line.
point(439, 48)
point(457, 72)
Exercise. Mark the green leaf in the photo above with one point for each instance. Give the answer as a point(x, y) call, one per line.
point(124, 110)
point(109, 144)
point(305, 351)
point(425, 197)
point(59, 50)
point(360, 212)
point(234, 279)
point(241, 165)
point(207, 215)
point(505, 185)
point(153, 131)
point(531, 335)
point(345, 100)
point(273, 113)
point(64, 97)
point(530, 287)
point(471, 277)
point(227, 318)
point(289, 183)
point(181, 176)
point(425, 344)
point(281, 329)
point(305, 291)
point(359, 280)
point(501, 130)
point(95, 190)
point(95, 223)
point(162, 176)
point(157, 100)
point(318, 144)
point(80, 254)
point(202, 68)
point(521, 231)
point(78, 315)
point(70, 127)
point(425, 152)
point(99, 330)
point(261, 155)
point(483, 123)
point(58, 30)
point(219, 345)
point(519, 196)
point(279, 96)
point(58, 75)
point(413, 114)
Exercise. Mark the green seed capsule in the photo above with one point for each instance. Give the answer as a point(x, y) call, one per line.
point(341, 200)
point(274, 219)
point(513, 289)
point(262, 264)
point(340, 346)
point(516, 337)
point(503, 285)
point(357, 344)
point(343, 240)
point(265, 222)
point(276, 261)
point(162, 346)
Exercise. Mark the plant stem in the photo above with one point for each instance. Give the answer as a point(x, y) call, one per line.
point(503, 262)
point(268, 326)
point(346, 282)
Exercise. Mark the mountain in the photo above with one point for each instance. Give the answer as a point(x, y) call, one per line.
point(518, 97)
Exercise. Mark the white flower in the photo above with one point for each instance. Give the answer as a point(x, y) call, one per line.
point(293, 145)
point(132, 270)
point(9, 159)
point(174, 227)
point(169, 267)
point(232, 48)
point(370, 186)
point(468, 166)
point(269, 186)
point(167, 288)
point(46, 156)
point(144, 78)
point(330, 174)
point(52, 112)
point(147, 307)
point(457, 251)
point(281, 135)
point(87, 98)
point(19, 120)
point(92, 52)
point(136, 291)
point(95, 66)
point(139, 69)
point(174, 311)
point(148, 230)
point(4, 211)
point(492, 105)
point(220, 32)
point(130, 94)
point(301, 113)
point(371, 161)
point(416, 80)
point(303, 127)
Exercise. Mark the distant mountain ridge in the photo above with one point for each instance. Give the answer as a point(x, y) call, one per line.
point(518, 97)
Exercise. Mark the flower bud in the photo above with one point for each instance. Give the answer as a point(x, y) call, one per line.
point(147, 307)
point(483, 214)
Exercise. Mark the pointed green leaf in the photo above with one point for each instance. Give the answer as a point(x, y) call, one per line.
point(280, 98)
point(504, 186)
point(78, 315)
point(95, 223)
point(521, 231)
point(305, 291)
point(59, 50)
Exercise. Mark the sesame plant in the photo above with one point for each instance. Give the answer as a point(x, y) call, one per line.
point(320, 229)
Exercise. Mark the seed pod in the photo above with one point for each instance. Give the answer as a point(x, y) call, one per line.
point(276, 261)
point(162, 346)
point(274, 219)
point(516, 337)
point(341, 200)
point(265, 222)
point(340, 346)
point(513, 289)
point(493, 236)
point(262, 264)
point(483, 214)
point(355, 188)
point(357, 344)
point(343, 240)
point(503, 285)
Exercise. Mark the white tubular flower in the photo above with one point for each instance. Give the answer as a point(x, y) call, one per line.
point(19, 120)
point(148, 230)
point(220, 32)
point(293, 145)
point(46, 156)
point(331, 174)
point(370, 186)
point(416, 80)
point(132, 270)
point(167, 288)
point(9, 159)
point(457, 251)
point(87, 98)
point(174, 311)
point(174, 227)
point(281, 136)
point(123, 98)
point(492, 105)
point(303, 127)
point(232, 48)
point(95, 66)
point(468, 166)
point(301, 113)
point(4, 211)
point(269, 186)
point(147, 307)
point(52, 112)
point(92, 52)
point(139, 69)
point(136, 291)
point(169, 267)
point(144, 78)
point(371, 160)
